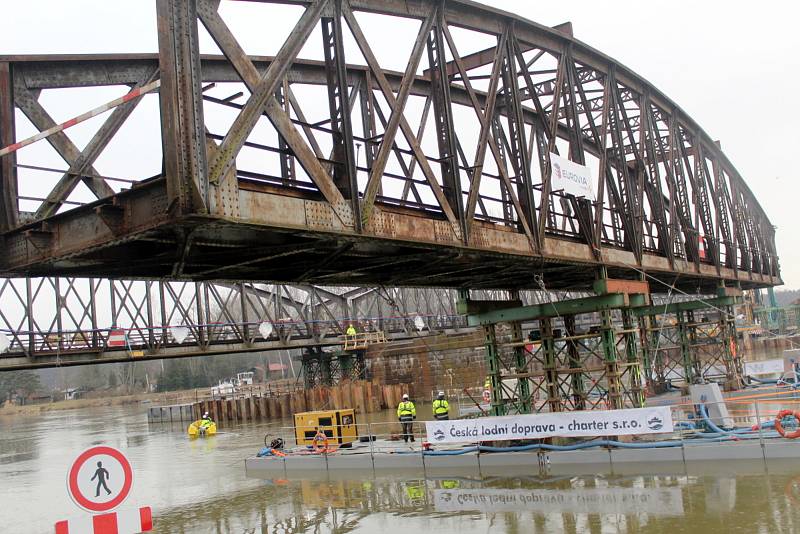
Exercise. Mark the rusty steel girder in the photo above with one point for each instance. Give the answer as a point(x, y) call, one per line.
point(669, 203)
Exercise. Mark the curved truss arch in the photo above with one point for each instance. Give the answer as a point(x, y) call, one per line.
point(322, 166)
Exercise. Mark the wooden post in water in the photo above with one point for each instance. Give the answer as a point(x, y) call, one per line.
point(359, 397)
point(347, 395)
point(283, 404)
point(218, 410)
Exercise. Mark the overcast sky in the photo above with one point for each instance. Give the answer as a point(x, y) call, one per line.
point(733, 66)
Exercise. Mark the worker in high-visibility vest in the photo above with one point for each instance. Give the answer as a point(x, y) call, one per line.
point(441, 408)
point(351, 330)
point(205, 423)
point(406, 413)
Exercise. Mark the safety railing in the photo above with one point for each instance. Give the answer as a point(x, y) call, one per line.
point(362, 340)
point(695, 427)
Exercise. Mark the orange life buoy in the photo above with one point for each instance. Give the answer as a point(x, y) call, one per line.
point(779, 424)
point(323, 448)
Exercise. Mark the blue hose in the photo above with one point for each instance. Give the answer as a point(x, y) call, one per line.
point(573, 447)
point(713, 426)
point(763, 380)
point(741, 433)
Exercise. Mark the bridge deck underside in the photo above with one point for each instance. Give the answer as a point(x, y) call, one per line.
point(290, 239)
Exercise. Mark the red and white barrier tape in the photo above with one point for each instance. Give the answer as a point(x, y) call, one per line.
point(139, 91)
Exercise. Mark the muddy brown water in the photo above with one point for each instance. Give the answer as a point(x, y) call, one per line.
point(200, 486)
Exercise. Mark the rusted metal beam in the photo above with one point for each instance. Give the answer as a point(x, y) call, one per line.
point(9, 206)
point(182, 122)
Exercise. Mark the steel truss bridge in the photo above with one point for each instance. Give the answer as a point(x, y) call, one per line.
point(452, 187)
point(327, 167)
point(68, 321)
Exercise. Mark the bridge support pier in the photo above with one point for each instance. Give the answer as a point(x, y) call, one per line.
point(316, 370)
point(562, 369)
point(322, 368)
point(692, 341)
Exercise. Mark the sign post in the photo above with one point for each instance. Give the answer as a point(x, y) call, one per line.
point(99, 481)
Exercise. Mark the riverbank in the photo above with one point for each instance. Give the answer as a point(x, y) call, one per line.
point(76, 404)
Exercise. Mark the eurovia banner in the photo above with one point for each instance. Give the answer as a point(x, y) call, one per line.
point(570, 177)
point(634, 421)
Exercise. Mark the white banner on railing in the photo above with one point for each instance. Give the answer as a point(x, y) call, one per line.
point(655, 501)
point(764, 367)
point(656, 420)
point(571, 177)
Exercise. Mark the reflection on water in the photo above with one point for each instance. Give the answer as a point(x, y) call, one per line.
point(658, 504)
point(199, 486)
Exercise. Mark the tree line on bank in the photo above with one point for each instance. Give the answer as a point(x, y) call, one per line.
point(136, 377)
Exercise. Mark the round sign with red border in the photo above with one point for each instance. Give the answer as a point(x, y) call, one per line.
point(100, 479)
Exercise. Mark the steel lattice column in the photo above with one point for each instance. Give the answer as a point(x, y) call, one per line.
point(288, 170)
point(523, 387)
point(634, 365)
point(550, 366)
point(730, 349)
point(609, 343)
point(688, 341)
point(648, 337)
point(494, 367)
point(443, 118)
point(576, 379)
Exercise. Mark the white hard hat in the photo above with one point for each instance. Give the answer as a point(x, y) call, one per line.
point(441, 393)
point(405, 395)
point(205, 414)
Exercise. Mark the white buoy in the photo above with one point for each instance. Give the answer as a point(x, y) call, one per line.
point(4, 343)
point(179, 333)
point(265, 329)
point(419, 323)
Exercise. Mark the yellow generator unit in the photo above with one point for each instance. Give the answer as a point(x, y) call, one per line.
point(338, 425)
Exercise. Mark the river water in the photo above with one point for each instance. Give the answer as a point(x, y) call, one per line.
point(200, 486)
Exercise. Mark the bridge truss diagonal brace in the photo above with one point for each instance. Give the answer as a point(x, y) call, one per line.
point(92, 151)
point(264, 92)
point(27, 101)
point(486, 140)
point(280, 119)
point(405, 128)
point(398, 108)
